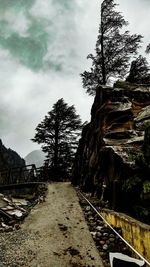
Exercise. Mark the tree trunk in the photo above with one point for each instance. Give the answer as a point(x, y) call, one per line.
point(56, 147)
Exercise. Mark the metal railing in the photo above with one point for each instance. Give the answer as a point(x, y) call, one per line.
point(22, 174)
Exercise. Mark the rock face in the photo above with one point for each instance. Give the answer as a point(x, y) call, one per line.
point(110, 159)
point(9, 159)
point(146, 146)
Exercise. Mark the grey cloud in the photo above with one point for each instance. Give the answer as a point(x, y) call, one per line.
point(15, 4)
point(44, 44)
point(29, 51)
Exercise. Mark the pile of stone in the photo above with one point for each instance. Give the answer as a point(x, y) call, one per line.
point(13, 209)
point(105, 239)
point(12, 212)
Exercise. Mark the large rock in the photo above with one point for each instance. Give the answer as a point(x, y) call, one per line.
point(111, 143)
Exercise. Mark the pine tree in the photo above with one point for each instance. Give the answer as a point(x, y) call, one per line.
point(114, 48)
point(59, 132)
point(139, 71)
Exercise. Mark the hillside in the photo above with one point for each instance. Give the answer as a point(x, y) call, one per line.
point(9, 158)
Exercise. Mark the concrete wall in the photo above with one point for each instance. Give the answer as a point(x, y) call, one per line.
point(136, 233)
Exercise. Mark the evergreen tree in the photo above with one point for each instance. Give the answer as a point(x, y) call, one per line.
point(59, 132)
point(139, 71)
point(114, 48)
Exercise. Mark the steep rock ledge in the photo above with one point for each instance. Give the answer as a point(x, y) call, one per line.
point(110, 160)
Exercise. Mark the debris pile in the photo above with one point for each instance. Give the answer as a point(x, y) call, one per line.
point(105, 239)
point(14, 209)
point(12, 212)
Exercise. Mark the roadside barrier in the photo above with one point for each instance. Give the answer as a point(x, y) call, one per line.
point(136, 252)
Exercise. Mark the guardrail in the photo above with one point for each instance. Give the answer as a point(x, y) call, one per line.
point(116, 233)
point(22, 174)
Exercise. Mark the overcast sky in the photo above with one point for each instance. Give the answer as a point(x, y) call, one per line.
point(43, 49)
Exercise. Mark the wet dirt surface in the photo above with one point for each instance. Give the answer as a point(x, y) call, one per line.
point(55, 234)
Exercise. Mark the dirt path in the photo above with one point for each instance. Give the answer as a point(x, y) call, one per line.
point(55, 234)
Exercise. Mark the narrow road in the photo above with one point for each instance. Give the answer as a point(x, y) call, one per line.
point(55, 234)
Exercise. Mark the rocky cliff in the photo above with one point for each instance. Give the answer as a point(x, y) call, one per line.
point(113, 156)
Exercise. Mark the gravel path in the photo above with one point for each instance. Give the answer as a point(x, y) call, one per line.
point(55, 234)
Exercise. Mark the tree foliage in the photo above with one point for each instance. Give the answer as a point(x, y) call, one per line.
point(114, 48)
point(139, 71)
point(58, 133)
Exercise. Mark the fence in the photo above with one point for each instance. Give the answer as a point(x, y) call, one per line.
point(22, 174)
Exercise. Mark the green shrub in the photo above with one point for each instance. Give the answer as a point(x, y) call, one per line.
point(131, 183)
point(146, 187)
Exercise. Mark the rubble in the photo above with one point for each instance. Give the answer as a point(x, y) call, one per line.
point(13, 210)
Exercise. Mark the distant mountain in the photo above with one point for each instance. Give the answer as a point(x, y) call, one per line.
point(36, 157)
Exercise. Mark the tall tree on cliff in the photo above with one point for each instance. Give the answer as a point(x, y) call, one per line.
point(58, 133)
point(114, 48)
point(139, 71)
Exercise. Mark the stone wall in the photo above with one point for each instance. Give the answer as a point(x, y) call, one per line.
point(136, 233)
